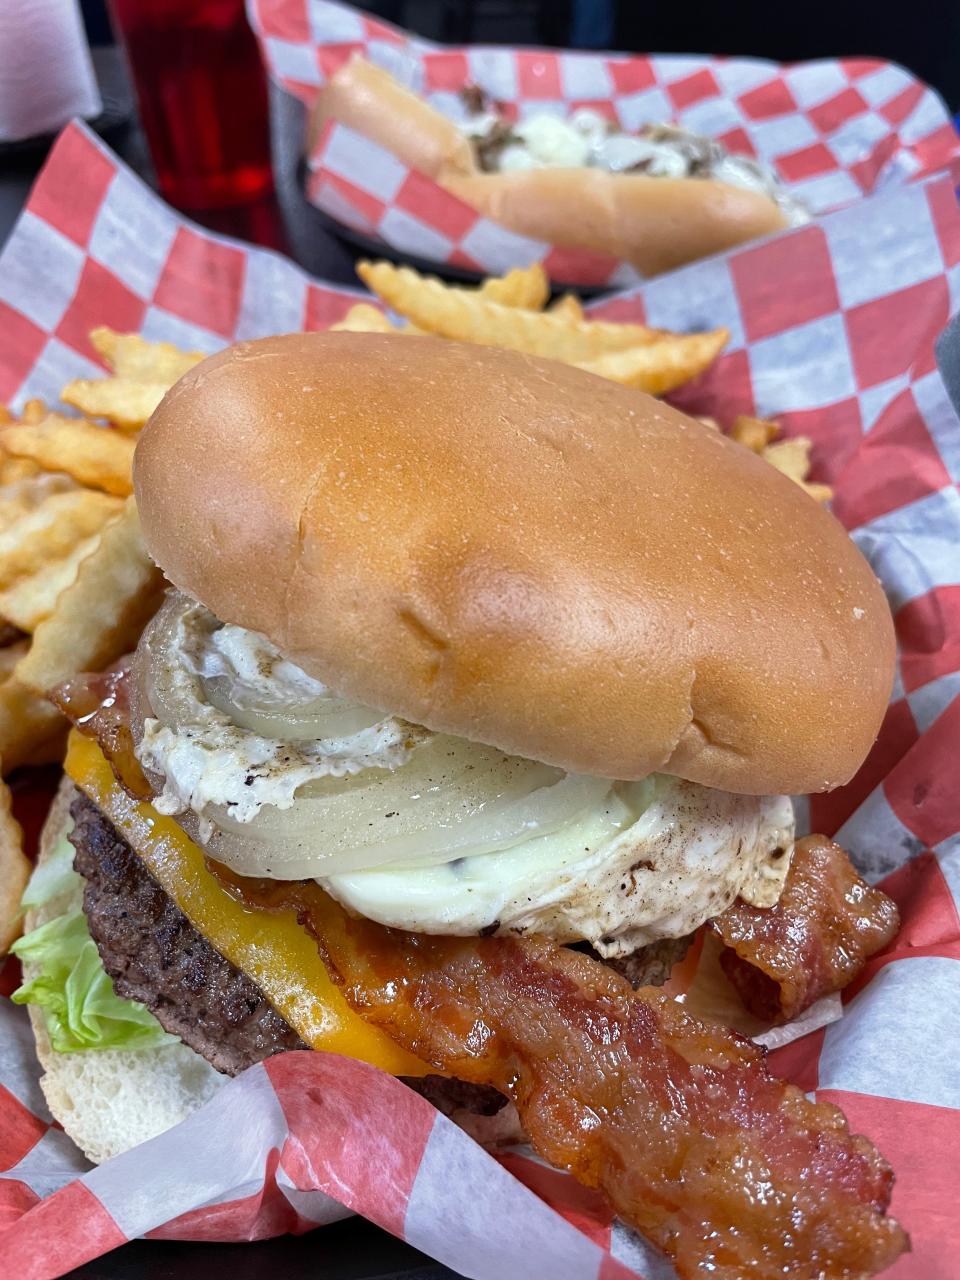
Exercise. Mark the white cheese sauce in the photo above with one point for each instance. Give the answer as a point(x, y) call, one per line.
point(587, 138)
point(655, 861)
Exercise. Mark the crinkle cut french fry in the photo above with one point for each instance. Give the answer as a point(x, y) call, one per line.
point(526, 287)
point(131, 356)
point(14, 871)
point(32, 598)
point(33, 411)
point(792, 458)
point(92, 455)
point(754, 433)
point(467, 316)
point(363, 318)
point(568, 306)
point(100, 616)
point(125, 403)
point(144, 372)
point(663, 365)
point(29, 492)
point(50, 530)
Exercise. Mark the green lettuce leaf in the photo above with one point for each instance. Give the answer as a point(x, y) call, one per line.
point(80, 1007)
point(53, 878)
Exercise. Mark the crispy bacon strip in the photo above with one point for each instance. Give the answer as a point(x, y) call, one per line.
point(100, 707)
point(815, 941)
point(729, 1171)
point(679, 1124)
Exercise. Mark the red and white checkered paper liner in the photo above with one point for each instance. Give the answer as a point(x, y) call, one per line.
point(832, 330)
point(834, 130)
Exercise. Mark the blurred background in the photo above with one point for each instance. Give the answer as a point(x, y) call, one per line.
point(924, 35)
point(193, 117)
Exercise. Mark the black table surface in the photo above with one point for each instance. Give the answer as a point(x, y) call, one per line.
point(354, 1249)
point(351, 1250)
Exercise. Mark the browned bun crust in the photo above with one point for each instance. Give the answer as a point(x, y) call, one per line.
point(655, 224)
point(370, 101)
point(521, 553)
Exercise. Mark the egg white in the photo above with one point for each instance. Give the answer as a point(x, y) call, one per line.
point(655, 861)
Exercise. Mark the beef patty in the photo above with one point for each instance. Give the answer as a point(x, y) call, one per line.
point(155, 955)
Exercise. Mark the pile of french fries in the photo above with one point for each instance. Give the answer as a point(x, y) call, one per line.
point(509, 311)
point(76, 583)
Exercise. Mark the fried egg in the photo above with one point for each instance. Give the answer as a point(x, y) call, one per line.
point(655, 861)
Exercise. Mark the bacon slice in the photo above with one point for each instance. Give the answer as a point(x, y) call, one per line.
point(680, 1125)
point(815, 941)
point(99, 705)
point(729, 1171)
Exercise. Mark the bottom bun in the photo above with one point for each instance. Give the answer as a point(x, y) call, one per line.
point(109, 1100)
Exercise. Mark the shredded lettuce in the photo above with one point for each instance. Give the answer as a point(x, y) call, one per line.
point(80, 1007)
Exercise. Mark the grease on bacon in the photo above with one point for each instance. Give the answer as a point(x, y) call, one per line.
point(813, 942)
point(680, 1125)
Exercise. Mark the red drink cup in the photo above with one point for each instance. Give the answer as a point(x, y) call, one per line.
point(202, 95)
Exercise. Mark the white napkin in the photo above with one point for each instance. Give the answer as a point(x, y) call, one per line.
point(46, 76)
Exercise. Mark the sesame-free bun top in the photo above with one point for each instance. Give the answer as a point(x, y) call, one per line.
point(517, 552)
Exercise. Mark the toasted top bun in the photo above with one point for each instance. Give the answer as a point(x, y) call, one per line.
point(520, 553)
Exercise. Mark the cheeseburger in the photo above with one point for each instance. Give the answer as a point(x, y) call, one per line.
point(476, 700)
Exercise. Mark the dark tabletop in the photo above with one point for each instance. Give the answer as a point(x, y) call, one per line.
point(350, 1250)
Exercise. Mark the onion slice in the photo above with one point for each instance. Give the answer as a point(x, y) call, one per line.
point(448, 799)
point(349, 831)
point(324, 717)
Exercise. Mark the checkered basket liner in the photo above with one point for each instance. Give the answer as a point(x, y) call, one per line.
point(832, 331)
point(834, 130)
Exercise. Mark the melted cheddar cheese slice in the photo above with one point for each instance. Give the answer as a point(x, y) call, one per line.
point(277, 953)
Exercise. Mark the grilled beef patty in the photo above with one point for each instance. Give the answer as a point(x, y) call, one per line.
point(155, 955)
